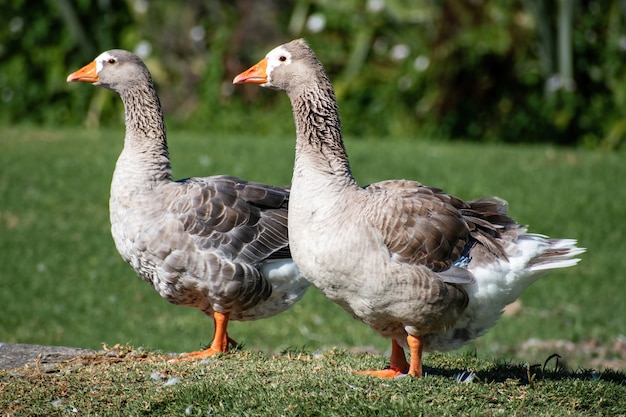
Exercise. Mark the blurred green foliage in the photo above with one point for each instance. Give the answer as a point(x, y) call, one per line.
point(485, 70)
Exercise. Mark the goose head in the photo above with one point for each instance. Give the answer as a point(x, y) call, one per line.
point(115, 69)
point(284, 68)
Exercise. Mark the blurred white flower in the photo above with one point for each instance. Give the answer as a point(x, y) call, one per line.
point(197, 33)
point(400, 52)
point(316, 22)
point(556, 82)
point(141, 6)
point(375, 6)
point(553, 83)
point(143, 49)
point(421, 63)
point(16, 24)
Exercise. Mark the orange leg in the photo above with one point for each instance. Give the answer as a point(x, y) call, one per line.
point(398, 365)
point(220, 340)
point(415, 345)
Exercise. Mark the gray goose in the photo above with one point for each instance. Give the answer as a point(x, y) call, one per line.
point(216, 243)
point(424, 268)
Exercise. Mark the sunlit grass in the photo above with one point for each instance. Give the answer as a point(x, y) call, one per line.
point(123, 381)
point(63, 282)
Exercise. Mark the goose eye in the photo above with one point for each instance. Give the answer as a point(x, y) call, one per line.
point(111, 61)
point(282, 58)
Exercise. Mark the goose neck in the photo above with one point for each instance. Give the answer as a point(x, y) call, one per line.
point(319, 144)
point(145, 144)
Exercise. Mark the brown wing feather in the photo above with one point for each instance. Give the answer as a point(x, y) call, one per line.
point(423, 225)
point(245, 221)
point(420, 225)
point(492, 228)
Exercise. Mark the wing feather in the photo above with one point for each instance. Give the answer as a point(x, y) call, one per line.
point(423, 225)
point(245, 221)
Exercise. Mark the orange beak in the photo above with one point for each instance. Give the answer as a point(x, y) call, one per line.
point(255, 75)
point(86, 74)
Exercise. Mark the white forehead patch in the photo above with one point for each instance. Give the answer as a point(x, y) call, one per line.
point(101, 59)
point(275, 57)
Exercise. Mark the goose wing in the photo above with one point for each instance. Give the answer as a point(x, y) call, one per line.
point(244, 221)
point(419, 225)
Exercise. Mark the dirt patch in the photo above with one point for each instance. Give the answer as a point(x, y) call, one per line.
point(596, 355)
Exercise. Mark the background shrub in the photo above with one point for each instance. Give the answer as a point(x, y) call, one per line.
point(486, 70)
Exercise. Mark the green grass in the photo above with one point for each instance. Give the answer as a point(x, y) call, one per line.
point(121, 381)
point(63, 282)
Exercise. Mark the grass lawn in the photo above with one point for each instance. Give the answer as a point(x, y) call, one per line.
point(122, 381)
point(63, 282)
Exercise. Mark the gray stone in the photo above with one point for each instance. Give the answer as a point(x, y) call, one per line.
point(13, 355)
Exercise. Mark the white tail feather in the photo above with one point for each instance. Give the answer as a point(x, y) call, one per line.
point(502, 282)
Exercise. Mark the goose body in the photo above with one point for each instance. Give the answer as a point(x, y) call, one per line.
point(424, 268)
point(215, 243)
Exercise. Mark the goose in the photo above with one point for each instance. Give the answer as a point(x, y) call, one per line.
point(426, 269)
point(216, 243)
